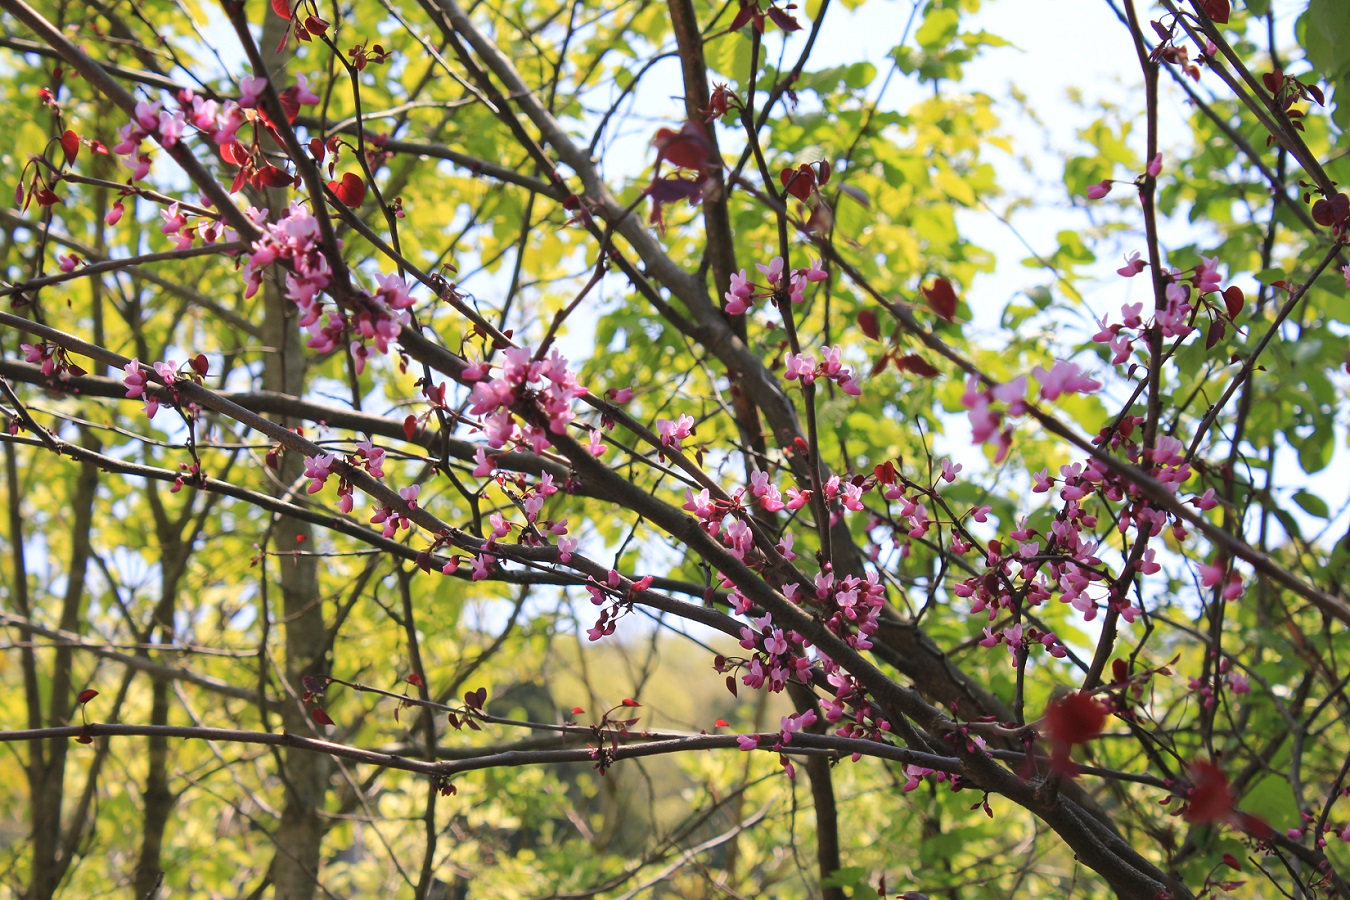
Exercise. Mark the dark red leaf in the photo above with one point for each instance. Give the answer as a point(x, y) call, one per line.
point(70, 145)
point(271, 176)
point(668, 190)
point(731, 684)
point(475, 699)
point(46, 197)
point(320, 716)
point(577, 710)
point(742, 18)
point(1273, 80)
point(315, 25)
point(1316, 93)
point(867, 321)
point(416, 680)
point(1217, 10)
point(783, 19)
point(1217, 329)
point(1233, 300)
point(351, 190)
point(86, 695)
point(1075, 718)
point(410, 426)
point(628, 701)
point(282, 8)
point(85, 738)
point(1255, 826)
point(885, 473)
point(1120, 671)
point(1231, 862)
point(824, 171)
point(200, 364)
point(1322, 213)
point(317, 150)
point(800, 182)
point(314, 684)
point(916, 365)
point(234, 153)
point(1211, 801)
point(942, 298)
point(688, 148)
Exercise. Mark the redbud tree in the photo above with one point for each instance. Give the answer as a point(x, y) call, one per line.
point(541, 449)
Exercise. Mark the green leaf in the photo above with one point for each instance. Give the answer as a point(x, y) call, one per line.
point(938, 29)
point(1312, 504)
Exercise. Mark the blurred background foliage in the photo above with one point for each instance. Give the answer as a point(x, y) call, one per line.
point(120, 584)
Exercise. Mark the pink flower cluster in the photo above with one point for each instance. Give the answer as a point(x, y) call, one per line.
point(1175, 320)
point(1019, 639)
point(135, 381)
point(804, 366)
point(743, 291)
point(987, 419)
point(547, 385)
point(613, 600)
point(320, 466)
point(392, 519)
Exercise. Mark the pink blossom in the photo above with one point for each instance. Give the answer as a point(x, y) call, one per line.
point(622, 395)
point(393, 291)
point(134, 379)
point(1205, 501)
point(949, 471)
point(566, 547)
point(739, 296)
point(147, 115)
point(251, 90)
point(1099, 190)
point(482, 566)
point(773, 272)
point(114, 214)
point(1212, 573)
point(317, 469)
point(789, 725)
point(1155, 165)
point(1133, 266)
point(1064, 378)
point(1012, 393)
point(1207, 278)
point(174, 220)
point(747, 742)
point(673, 433)
point(170, 127)
point(801, 365)
point(306, 97)
point(595, 444)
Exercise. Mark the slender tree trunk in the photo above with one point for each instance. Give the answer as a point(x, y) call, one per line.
point(296, 864)
point(51, 854)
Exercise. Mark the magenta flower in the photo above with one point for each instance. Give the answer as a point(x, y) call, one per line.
point(1099, 190)
point(1133, 266)
point(251, 90)
point(673, 433)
